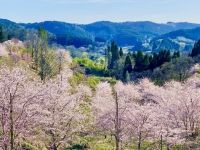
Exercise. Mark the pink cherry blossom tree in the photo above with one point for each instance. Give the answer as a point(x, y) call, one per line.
point(110, 105)
point(19, 96)
point(176, 109)
point(59, 114)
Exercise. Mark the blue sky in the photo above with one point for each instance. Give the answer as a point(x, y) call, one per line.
point(87, 11)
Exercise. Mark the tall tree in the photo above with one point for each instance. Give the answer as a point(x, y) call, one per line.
point(115, 54)
point(127, 66)
point(146, 62)
point(44, 67)
point(121, 53)
point(139, 58)
point(108, 57)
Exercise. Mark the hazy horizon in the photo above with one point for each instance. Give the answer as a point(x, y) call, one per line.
point(89, 11)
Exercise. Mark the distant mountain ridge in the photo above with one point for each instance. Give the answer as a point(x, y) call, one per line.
point(141, 35)
point(182, 40)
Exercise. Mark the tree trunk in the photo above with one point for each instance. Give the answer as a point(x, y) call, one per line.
point(53, 142)
point(161, 142)
point(117, 124)
point(54, 147)
point(11, 124)
point(180, 77)
point(168, 146)
point(139, 141)
point(5, 145)
point(117, 143)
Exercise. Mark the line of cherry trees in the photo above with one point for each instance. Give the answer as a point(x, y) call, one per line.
point(169, 115)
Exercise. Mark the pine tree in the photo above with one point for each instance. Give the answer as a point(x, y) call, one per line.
point(196, 49)
point(108, 57)
point(139, 57)
point(115, 54)
point(121, 53)
point(146, 62)
point(128, 64)
point(176, 55)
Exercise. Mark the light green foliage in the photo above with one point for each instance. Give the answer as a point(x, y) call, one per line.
point(88, 63)
point(76, 79)
point(93, 81)
point(28, 146)
point(91, 67)
point(97, 142)
point(79, 78)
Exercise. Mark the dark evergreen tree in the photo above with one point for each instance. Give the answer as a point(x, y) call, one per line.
point(154, 61)
point(163, 56)
point(176, 55)
point(108, 57)
point(145, 63)
point(139, 57)
point(196, 49)
point(121, 53)
point(1, 34)
point(115, 54)
point(128, 64)
point(160, 58)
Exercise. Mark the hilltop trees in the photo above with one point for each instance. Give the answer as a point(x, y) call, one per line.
point(179, 69)
point(40, 53)
point(112, 55)
point(47, 61)
point(123, 66)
